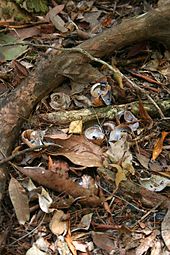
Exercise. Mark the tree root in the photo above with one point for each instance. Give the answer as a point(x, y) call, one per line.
point(50, 73)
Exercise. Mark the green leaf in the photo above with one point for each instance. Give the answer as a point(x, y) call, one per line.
point(10, 52)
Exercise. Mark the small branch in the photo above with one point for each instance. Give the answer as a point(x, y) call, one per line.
point(89, 114)
point(43, 146)
point(147, 214)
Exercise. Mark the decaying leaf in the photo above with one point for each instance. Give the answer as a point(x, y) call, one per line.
point(34, 250)
point(57, 224)
point(120, 175)
point(76, 127)
point(59, 23)
point(144, 114)
point(103, 241)
point(159, 145)
point(83, 246)
point(45, 201)
point(62, 246)
point(19, 200)
point(85, 222)
point(70, 244)
point(59, 183)
point(28, 184)
point(146, 243)
point(120, 154)
point(11, 52)
point(156, 183)
point(80, 151)
point(144, 161)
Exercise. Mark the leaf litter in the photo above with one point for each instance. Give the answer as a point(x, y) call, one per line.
point(78, 183)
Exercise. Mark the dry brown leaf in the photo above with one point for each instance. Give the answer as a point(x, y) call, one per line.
point(103, 241)
point(80, 151)
point(19, 200)
point(144, 161)
point(45, 201)
point(34, 250)
point(144, 114)
point(85, 222)
point(146, 243)
point(57, 225)
point(27, 32)
point(56, 10)
point(60, 183)
point(119, 150)
point(58, 22)
point(70, 244)
point(120, 175)
point(159, 145)
point(76, 127)
point(118, 76)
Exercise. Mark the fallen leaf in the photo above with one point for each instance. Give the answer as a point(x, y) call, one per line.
point(120, 175)
point(57, 225)
point(92, 18)
point(19, 200)
point(146, 243)
point(157, 248)
point(35, 251)
point(24, 33)
point(21, 70)
point(156, 183)
point(143, 160)
point(118, 77)
point(57, 21)
point(45, 201)
point(11, 52)
point(62, 246)
point(85, 222)
point(70, 244)
point(56, 10)
point(103, 241)
point(159, 145)
point(76, 127)
point(83, 247)
point(59, 183)
point(119, 150)
point(144, 114)
point(59, 135)
point(80, 151)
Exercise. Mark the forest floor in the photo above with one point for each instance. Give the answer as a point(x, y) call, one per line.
point(90, 172)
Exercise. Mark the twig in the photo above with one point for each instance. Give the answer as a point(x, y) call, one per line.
point(147, 214)
point(145, 93)
point(84, 52)
point(107, 112)
point(43, 146)
point(29, 233)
